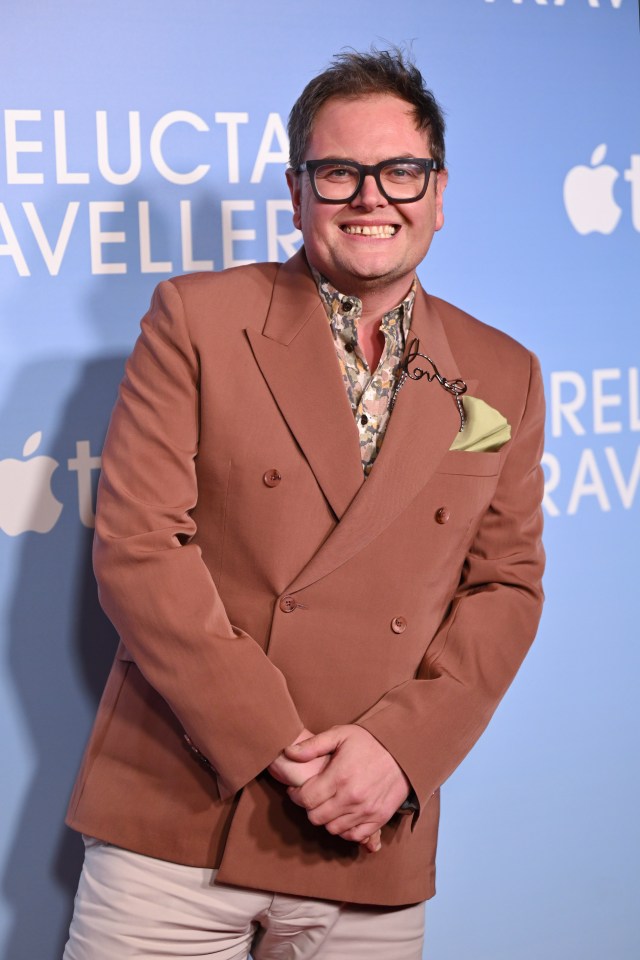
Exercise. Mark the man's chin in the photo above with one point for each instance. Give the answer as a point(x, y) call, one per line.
point(373, 278)
point(363, 274)
point(372, 269)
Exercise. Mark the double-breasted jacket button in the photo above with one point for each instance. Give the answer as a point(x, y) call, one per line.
point(288, 604)
point(442, 515)
point(272, 478)
point(398, 624)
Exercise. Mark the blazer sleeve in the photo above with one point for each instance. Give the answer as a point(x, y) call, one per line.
point(153, 583)
point(431, 722)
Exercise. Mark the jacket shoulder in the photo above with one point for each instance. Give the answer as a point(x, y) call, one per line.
point(248, 283)
point(249, 277)
point(231, 299)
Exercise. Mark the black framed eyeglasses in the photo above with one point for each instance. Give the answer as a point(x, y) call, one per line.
point(399, 180)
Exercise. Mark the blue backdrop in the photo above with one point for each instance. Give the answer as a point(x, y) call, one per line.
point(146, 139)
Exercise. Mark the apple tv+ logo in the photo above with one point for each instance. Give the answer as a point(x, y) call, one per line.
point(27, 503)
point(588, 194)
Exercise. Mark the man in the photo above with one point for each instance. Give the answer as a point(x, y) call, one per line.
point(322, 553)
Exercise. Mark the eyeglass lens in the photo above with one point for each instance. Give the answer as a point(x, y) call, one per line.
point(400, 181)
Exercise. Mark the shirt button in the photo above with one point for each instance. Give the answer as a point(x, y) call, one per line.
point(442, 515)
point(272, 478)
point(398, 624)
point(364, 419)
point(349, 347)
point(347, 306)
point(288, 604)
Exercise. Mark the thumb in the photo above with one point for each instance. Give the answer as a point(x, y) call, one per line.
point(318, 746)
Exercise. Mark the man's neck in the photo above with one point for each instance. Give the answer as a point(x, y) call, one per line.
point(377, 298)
point(378, 303)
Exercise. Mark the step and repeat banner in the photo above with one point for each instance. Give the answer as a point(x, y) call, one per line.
point(140, 140)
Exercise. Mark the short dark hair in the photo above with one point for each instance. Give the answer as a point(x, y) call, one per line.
point(353, 74)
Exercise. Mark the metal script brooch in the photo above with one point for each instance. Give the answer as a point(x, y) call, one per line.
point(455, 387)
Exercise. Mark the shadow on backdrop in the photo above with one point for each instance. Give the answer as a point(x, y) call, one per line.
point(60, 644)
point(61, 647)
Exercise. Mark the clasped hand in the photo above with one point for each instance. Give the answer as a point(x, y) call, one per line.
point(346, 781)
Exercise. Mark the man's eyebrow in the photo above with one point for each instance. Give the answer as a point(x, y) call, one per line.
point(397, 156)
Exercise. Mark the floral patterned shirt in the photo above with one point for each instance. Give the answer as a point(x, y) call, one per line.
point(369, 393)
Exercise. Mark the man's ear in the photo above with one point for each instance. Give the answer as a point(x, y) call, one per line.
point(295, 189)
point(442, 178)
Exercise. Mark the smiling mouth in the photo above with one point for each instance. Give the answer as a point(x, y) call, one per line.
point(375, 230)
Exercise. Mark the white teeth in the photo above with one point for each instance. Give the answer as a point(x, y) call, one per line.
point(386, 230)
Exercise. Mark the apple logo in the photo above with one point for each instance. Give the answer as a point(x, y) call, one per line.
point(26, 500)
point(588, 195)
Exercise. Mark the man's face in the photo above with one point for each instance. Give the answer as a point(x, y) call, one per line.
point(370, 129)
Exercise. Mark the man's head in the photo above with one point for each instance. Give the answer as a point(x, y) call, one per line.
point(365, 110)
point(355, 75)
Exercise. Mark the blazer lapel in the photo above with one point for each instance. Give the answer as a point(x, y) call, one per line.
point(421, 429)
point(297, 357)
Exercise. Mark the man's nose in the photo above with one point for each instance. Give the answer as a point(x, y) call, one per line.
point(369, 194)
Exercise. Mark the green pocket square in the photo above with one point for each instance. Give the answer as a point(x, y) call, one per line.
point(485, 429)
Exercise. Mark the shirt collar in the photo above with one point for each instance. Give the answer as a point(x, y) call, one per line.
point(344, 311)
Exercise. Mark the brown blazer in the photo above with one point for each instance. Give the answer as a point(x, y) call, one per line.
point(259, 583)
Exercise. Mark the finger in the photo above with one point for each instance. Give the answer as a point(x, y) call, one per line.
point(373, 843)
point(372, 847)
point(341, 825)
point(364, 833)
point(292, 779)
point(317, 746)
point(311, 795)
point(357, 832)
point(287, 772)
point(335, 809)
point(340, 803)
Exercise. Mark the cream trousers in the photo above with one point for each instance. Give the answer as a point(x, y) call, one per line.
point(129, 905)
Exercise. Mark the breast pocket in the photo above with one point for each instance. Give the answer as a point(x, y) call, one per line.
point(470, 464)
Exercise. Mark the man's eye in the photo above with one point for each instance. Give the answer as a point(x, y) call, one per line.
point(335, 173)
point(403, 173)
